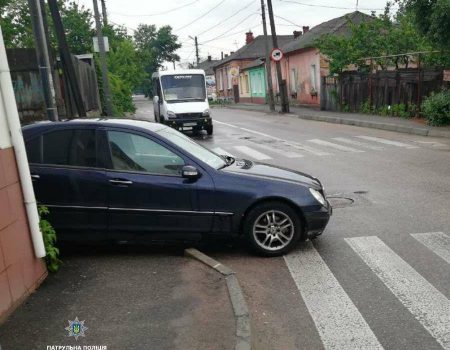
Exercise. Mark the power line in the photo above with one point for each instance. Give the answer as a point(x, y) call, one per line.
point(157, 13)
point(287, 20)
point(226, 19)
point(328, 6)
point(201, 16)
point(224, 34)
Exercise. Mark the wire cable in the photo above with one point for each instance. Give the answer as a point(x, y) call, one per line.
point(201, 16)
point(328, 6)
point(224, 34)
point(158, 13)
point(226, 19)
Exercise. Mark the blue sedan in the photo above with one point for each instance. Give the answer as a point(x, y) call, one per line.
point(128, 180)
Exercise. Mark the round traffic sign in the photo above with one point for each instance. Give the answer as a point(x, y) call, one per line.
point(276, 55)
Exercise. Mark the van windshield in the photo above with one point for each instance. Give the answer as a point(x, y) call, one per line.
point(183, 87)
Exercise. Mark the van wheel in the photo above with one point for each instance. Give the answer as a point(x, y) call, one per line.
point(272, 228)
point(209, 130)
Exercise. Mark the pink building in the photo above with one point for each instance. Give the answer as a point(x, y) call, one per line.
point(303, 66)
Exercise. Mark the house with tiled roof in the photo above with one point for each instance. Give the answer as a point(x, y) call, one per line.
point(228, 70)
point(303, 66)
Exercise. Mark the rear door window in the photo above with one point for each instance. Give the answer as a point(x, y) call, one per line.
point(70, 147)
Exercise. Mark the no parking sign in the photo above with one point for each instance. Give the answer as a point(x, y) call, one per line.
point(276, 55)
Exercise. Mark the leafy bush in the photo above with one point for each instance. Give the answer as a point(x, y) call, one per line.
point(367, 108)
point(121, 96)
point(400, 110)
point(384, 111)
point(49, 235)
point(436, 108)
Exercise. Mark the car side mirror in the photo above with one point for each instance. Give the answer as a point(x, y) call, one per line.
point(190, 172)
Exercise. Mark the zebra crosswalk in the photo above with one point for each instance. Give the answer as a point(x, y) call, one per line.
point(338, 320)
point(264, 147)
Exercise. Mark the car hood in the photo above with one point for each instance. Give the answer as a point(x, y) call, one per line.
point(187, 107)
point(266, 171)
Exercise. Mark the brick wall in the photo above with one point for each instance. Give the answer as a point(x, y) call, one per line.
point(20, 271)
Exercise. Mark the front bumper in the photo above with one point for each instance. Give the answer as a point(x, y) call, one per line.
point(189, 124)
point(317, 220)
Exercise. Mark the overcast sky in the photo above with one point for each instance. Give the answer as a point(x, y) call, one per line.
point(221, 24)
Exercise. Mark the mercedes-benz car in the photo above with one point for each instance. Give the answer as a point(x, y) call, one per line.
point(128, 180)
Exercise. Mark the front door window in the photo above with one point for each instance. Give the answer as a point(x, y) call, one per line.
point(131, 152)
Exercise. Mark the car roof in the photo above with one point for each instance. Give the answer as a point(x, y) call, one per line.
point(139, 124)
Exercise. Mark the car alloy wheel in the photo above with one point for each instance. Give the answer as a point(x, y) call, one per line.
point(273, 230)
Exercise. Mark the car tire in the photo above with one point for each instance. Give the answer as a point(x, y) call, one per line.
point(260, 228)
point(209, 130)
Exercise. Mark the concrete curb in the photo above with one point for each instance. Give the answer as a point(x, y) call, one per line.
point(240, 309)
point(362, 123)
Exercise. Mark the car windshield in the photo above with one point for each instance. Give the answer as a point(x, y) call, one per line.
point(193, 148)
point(183, 87)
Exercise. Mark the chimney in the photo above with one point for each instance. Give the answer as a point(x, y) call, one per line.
point(305, 29)
point(209, 58)
point(297, 33)
point(249, 37)
point(226, 55)
point(231, 52)
point(221, 55)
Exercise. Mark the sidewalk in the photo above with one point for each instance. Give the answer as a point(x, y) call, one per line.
point(130, 297)
point(364, 120)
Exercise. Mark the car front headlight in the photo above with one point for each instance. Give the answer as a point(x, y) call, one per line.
point(205, 113)
point(318, 196)
point(171, 115)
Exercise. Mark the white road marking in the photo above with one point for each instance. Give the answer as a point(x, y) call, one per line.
point(292, 144)
point(230, 125)
point(252, 153)
point(279, 151)
point(357, 143)
point(338, 321)
point(437, 242)
point(335, 146)
point(429, 306)
point(222, 152)
point(387, 142)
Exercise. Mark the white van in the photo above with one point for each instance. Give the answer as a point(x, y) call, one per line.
point(180, 100)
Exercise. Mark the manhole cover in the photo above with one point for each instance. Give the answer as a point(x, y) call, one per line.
point(340, 202)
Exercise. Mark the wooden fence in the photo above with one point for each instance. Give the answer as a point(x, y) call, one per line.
point(28, 87)
point(383, 88)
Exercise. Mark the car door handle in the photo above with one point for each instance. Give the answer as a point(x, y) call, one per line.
point(35, 177)
point(121, 182)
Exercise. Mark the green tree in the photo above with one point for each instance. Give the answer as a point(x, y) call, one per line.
point(17, 29)
point(432, 19)
point(16, 23)
point(154, 47)
point(382, 36)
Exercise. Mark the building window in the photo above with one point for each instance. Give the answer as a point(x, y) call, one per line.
point(220, 79)
point(293, 80)
point(247, 85)
point(313, 78)
point(229, 78)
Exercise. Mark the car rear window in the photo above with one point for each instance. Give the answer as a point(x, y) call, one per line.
point(70, 148)
point(34, 148)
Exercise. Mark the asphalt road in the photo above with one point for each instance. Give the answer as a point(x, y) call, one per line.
point(377, 278)
point(379, 275)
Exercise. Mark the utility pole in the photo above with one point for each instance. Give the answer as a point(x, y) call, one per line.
point(281, 82)
point(104, 14)
point(45, 67)
point(268, 63)
point(196, 50)
point(66, 58)
point(103, 64)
